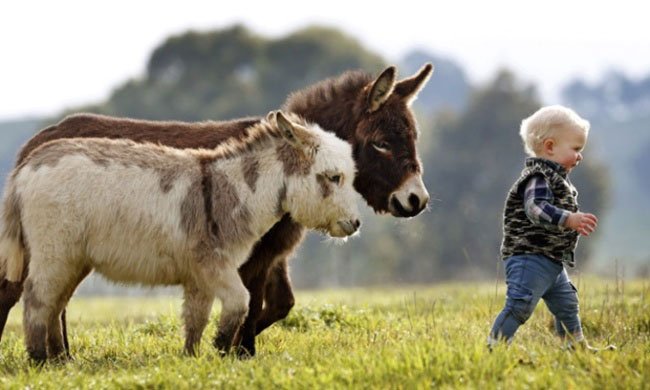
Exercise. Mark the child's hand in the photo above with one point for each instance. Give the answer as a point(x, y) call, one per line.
point(583, 223)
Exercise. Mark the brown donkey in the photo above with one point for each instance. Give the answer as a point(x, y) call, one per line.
point(372, 114)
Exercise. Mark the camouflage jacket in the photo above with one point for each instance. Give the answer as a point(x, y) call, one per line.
point(521, 235)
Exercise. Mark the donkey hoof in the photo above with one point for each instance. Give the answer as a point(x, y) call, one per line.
point(37, 360)
point(62, 359)
point(190, 351)
point(224, 353)
point(222, 344)
point(244, 353)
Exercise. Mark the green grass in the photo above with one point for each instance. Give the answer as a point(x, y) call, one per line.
point(417, 337)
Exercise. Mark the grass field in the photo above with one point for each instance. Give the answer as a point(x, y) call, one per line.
point(416, 337)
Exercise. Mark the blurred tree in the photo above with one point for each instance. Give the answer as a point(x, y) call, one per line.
point(448, 89)
point(615, 96)
point(13, 134)
point(233, 73)
point(310, 55)
point(641, 164)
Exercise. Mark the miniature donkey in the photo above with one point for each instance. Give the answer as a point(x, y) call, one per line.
point(150, 214)
point(372, 115)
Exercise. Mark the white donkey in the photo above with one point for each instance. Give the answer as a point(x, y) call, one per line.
point(154, 215)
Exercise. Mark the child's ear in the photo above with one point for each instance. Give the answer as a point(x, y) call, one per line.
point(549, 144)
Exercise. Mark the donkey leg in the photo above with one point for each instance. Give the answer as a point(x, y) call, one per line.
point(58, 333)
point(36, 317)
point(269, 258)
point(9, 294)
point(55, 335)
point(50, 283)
point(64, 330)
point(196, 311)
point(234, 307)
point(245, 340)
point(279, 299)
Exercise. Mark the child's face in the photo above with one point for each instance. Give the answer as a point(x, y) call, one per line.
point(565, 148)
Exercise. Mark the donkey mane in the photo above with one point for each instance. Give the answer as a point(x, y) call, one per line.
point(325, 91)
point(254, 138)
point(336, 100)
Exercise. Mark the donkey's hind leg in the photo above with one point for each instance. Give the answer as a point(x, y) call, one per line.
point(36, 317)
point(46, 290)
point(9, 295)
point(55, 343)
point(57, 330)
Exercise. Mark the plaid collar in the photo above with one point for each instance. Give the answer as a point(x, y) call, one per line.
point(532, 161)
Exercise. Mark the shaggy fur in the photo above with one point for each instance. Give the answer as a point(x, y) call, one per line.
point(79, 212)
point(373, 115)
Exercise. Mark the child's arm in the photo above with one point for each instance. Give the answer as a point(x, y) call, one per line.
point(538, 199)
point(538, 203)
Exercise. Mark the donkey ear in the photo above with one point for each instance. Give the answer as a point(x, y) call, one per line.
point(381, 89)
point(409, 88)
point(295, 134)
point(285, 126)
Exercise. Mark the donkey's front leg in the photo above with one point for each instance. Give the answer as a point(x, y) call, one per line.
point(196, 311)
point(234, 307)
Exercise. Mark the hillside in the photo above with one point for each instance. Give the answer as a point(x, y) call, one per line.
point(12, 135)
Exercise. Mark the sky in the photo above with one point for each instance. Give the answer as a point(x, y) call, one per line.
point(59, 54)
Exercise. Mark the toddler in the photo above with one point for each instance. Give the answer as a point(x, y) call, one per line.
point(541, 226)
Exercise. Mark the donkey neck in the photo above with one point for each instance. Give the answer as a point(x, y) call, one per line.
point(244, 194)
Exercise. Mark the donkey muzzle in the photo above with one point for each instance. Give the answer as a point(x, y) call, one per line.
point(349, 226)
point(409, 199)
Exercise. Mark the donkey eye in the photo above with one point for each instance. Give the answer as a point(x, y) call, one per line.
point(335, 179)
point(381, 147)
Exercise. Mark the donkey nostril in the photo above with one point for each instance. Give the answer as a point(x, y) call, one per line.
point(356, 223)
point(414, 201)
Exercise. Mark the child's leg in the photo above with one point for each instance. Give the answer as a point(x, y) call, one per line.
point(528, 278)
point(562, 301)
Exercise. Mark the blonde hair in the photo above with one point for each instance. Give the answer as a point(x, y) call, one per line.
point(545, 122)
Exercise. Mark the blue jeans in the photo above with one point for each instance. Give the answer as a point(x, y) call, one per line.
point(531, 277)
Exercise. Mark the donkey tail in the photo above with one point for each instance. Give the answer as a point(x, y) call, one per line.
point(12, 249)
